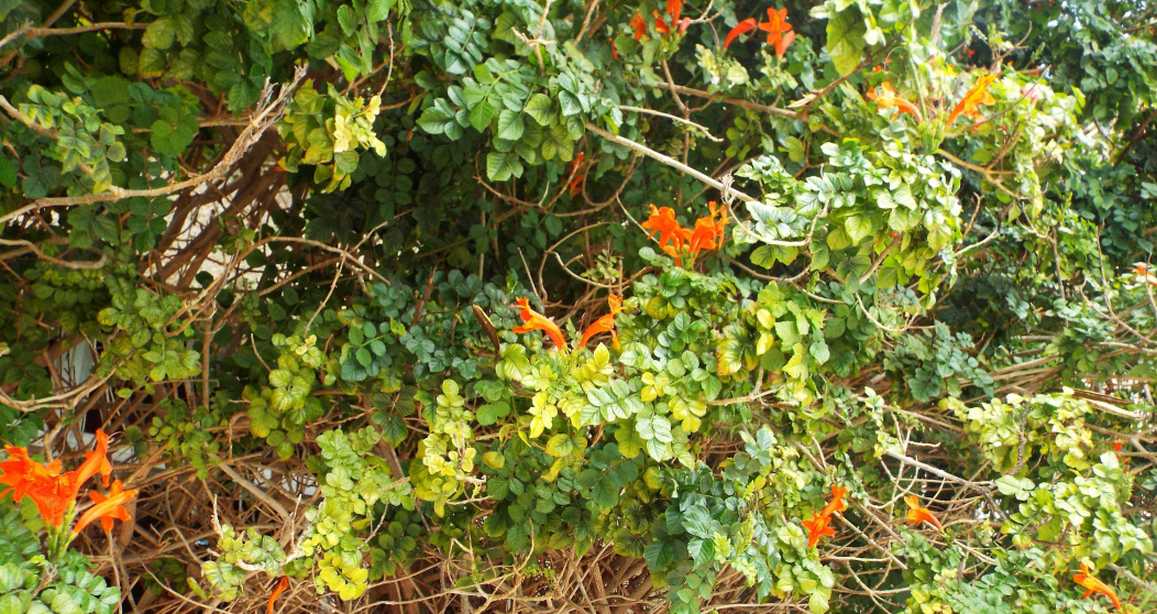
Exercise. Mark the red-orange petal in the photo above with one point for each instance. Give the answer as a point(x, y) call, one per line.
point(818, 526)
point(109, 506)
point(44, 484)
point(1093, 585)
point(639, 25)
point(741, 28)
point(783, 43)
point(918, 514)
point(279, 588)
point(532, 321)
point(837, 503)
point(975, 96)
point(95, 462)
point(660, 25)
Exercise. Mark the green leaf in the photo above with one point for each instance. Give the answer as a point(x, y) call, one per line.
point(796, 368)
point(845, 42)
point(510, 126)
point(569, 104)
point(171, 139)
point(818, 602)
point(837, 239)
point(8, 172)
point(159, 35)
point(654, 427)
point(346, 18)
point(819, 351)
point(501, 166)
point(559, 445)
point(698, 522)
point(378, 10)
point(491, 413)
point(433, 119)
point(858, 228)
point(540, 109)
point(1010, 485)
point(481, 115)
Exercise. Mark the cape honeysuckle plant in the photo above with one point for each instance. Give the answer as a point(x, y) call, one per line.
point(582, 305)
point(51, 579)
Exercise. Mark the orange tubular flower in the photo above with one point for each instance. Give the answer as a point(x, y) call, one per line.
point(779, 32)
point(709, 230)
point(660, 25)
point(819, 525)
point(577, 177)
point(976, 96)
point(740, 29)
point(918, 514)
point(53, 492)
point(605, 324)
point(675, 240)
point(1145, 273)
point(674, 11)
point(837, 503)
point(886, 98)
point(1119, 449)
point(663, 223)
point(95, 462)
point(1092, 586)
point(106, 508)
point(639, 25)
point(44, 484)
point(282, 584)
point(532, 321)
point(666, 230)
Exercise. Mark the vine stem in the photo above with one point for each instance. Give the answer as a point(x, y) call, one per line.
point(256, 128)
point(936, 471)
point(675, 118)
point(672, 162)
point(33, 32)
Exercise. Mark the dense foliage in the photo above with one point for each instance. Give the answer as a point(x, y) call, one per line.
point(508, 305)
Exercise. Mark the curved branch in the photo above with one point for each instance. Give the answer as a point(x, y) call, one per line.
point(258, 124)
point(31, 32)
point(673, 163)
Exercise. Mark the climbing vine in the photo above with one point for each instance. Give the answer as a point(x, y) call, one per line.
point(565, 305)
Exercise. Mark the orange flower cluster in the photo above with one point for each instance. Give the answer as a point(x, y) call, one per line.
point(918, 514)
point(886, 98)
point(820, 523)
point(676, 241)
point(605, 324)
point(1144, 273)
point(779, 31)
point(977, 95)
point(1093, 586)
point(54, 492)
point(673, 22)
point(532, 321)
